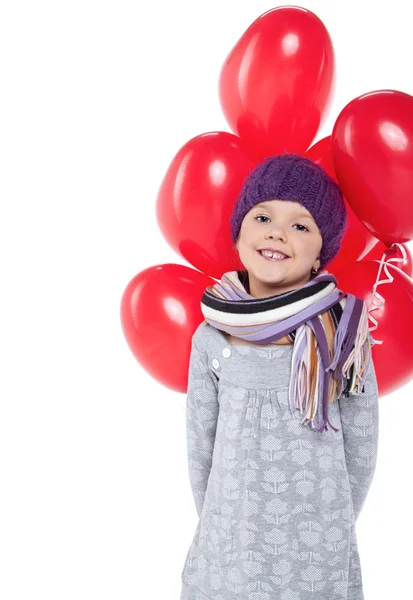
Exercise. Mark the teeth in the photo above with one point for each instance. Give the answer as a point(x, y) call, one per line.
point(275, 255)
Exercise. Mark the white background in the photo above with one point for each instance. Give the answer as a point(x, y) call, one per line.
point(96, 99)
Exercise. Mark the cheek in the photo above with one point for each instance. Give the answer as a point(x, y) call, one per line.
point(310, 245)
point(247, 233)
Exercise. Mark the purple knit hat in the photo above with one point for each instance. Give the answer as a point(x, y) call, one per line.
point(293, 177)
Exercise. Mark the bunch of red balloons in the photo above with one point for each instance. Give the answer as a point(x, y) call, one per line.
point(275, 89)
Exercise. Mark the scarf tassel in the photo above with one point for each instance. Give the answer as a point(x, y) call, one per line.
point(354, 368)
point(313, 394)
point(308, 390)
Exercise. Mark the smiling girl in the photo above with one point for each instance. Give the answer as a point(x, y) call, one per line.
point(282, 402)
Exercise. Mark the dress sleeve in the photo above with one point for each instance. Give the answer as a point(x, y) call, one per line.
point(202, 410)
point(360, 422)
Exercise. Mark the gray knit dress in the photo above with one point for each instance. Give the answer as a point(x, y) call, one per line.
point(277, 501)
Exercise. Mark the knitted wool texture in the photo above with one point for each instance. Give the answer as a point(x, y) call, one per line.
point(291, 176)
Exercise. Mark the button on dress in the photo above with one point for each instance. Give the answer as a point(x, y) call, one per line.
point(277, 501)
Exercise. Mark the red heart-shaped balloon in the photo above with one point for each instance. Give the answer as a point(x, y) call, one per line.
point(393, 359)
point(372, 145)
point(196, 198)
point(276, 85)
point(160, 311)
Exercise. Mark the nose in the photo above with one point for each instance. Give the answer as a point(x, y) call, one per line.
point(277, 232)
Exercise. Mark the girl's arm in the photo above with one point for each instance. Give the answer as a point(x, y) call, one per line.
point(360, 424)
point(202, 410)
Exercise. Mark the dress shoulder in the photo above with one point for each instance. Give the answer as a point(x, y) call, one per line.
point(208, 340)
point(199, 337)
point(205, 334)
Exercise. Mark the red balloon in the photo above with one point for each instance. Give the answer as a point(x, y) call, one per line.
point(393, 359)
point(276, 85)
point(372, 144)
point(196, 198)
point(357, 239)
point(378, 250)
point(160, 311)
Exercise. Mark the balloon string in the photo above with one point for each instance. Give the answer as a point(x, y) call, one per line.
point(383, 264)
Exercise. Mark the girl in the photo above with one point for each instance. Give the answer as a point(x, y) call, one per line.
point(282, 403)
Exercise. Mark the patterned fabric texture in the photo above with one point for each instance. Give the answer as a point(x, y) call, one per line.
point(277, 501)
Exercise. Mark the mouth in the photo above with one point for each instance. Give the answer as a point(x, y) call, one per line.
point(284, 258)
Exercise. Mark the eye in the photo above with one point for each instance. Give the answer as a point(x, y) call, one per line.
point(264, 217)
point(302, 226)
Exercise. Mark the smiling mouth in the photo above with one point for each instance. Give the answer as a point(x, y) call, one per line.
point(273, 259)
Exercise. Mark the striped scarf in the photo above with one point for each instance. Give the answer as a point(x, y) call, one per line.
point(329, 331)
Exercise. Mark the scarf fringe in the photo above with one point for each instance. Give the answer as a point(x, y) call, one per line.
point(307, 389)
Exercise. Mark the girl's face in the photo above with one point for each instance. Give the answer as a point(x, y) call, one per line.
point(282, 225)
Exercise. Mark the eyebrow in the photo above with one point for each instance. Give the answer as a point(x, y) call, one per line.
point(301, 214)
